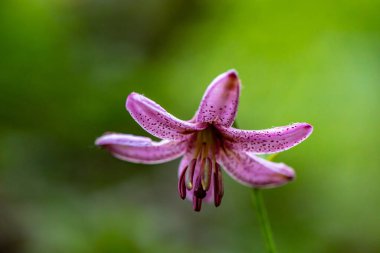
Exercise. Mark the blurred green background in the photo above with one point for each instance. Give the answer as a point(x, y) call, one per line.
point(67, 66)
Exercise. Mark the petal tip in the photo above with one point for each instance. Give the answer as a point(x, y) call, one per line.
point(104, 139)
point(132, 96)
point(128, 101)
point(286, 172)
point(99, 141)
point(290, 176)
point(232, 73)
point(305, 128)
point(309, 128)
point(135, 101)
point(232, 82)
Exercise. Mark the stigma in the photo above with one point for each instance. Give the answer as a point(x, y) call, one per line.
point(202, 176)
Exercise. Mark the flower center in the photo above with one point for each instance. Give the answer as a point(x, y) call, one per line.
point(203, 170)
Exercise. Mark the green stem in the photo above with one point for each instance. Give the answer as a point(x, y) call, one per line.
point(262, 215)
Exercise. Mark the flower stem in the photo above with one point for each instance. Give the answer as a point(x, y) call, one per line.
point(258, 201)
point(262, 215)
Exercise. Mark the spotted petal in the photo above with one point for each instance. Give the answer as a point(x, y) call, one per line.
point(254, 171)
point(141, 149)
point(158, 122)
point(220, 101)
point(266, 141)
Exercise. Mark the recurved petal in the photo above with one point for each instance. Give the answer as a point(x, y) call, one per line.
point(266, 141)
point(254, 171)
point(141, 149)
point(220, 101)
point(158, 122)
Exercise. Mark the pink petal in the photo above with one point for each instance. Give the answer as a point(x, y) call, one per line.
point(266, 141)
point(141, 149)
point(254, 171)
point(220, 101)
point(158, 122)
point(189, 155)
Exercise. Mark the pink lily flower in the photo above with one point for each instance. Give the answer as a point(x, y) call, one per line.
point(207, 143)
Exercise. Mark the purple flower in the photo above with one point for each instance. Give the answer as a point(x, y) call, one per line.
point(207, 143)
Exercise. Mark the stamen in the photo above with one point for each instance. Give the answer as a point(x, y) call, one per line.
point(190, 174)
point(206, 170)
point(218, 185)
point(181, 184)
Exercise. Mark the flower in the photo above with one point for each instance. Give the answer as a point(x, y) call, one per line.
point(208, 142)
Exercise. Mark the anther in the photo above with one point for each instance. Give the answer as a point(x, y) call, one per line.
point(190, 174)
point(218, 185)
point(206, 169)
point(181, 184)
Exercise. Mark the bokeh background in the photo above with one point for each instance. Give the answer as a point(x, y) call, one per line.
point(67, 66)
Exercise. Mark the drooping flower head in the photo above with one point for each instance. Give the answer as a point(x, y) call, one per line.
point(207, 143)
